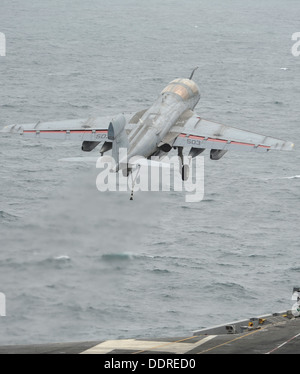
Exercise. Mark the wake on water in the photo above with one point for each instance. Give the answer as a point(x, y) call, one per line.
point(292, 177)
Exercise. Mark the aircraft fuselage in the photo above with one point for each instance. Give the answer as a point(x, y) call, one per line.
point(179, 96)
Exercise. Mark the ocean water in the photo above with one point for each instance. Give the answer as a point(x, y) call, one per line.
point(79, 264)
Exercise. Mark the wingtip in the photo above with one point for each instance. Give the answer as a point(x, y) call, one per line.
point(11, 129)
point(8, 128)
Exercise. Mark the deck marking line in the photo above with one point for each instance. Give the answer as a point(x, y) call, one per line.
point(190, 346)
point(282, 344)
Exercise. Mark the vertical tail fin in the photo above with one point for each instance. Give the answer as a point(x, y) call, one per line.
point(117, 134)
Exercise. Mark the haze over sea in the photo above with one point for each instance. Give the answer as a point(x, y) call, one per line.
point(79, 264)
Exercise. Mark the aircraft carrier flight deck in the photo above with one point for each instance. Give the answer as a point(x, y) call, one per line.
point(277, 333)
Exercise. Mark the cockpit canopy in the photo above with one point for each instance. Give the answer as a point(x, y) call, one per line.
point(185, 88)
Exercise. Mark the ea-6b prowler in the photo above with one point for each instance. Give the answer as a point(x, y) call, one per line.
point(169, 123)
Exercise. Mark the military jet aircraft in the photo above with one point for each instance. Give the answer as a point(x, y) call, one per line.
point(170, 123)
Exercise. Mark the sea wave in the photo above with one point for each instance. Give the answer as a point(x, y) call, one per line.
point(8, 217)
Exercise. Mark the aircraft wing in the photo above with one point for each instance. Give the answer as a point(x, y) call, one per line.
point(89, 130)
point(197, 132)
